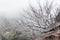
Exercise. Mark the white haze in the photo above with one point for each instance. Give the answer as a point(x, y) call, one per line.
point(12, 8)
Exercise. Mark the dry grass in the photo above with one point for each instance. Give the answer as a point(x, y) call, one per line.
point(51, 36)
point(54, 36)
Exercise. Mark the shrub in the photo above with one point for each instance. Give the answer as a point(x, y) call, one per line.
point(14, 35)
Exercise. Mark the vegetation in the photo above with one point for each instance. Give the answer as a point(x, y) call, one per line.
point(38, 20)
point(14, 35)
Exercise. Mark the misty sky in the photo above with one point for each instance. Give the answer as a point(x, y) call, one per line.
point(11, 8)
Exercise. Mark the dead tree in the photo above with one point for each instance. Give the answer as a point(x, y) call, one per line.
point(40, 20)
point(58, 17)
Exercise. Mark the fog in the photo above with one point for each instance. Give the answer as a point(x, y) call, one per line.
point(32, 24)
point(12, 8)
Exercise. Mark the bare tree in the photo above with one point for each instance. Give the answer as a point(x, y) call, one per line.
point(40, 20)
